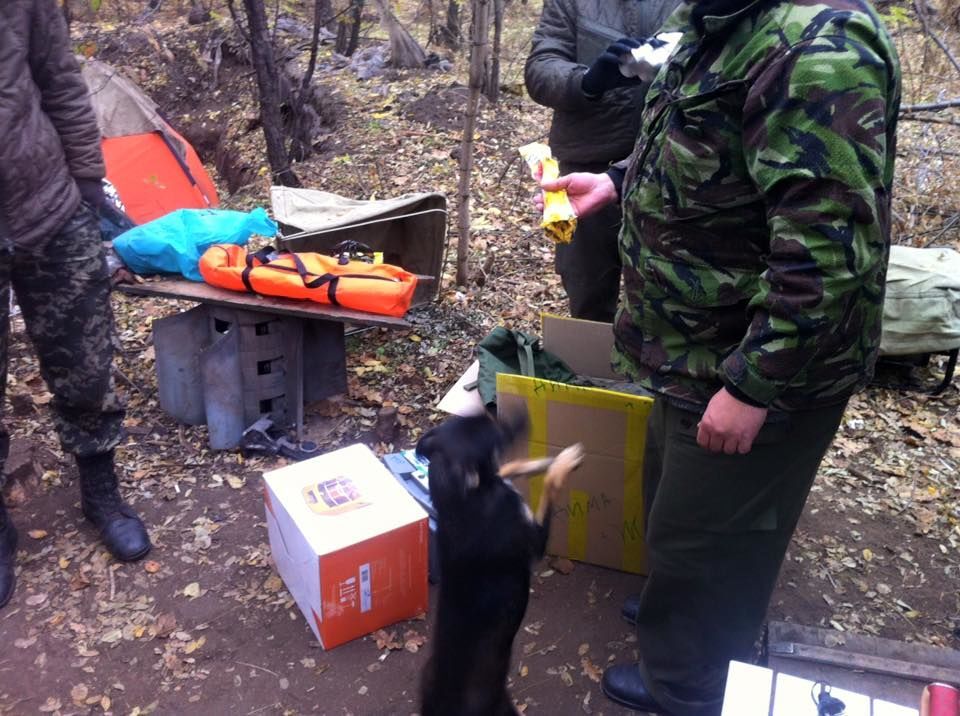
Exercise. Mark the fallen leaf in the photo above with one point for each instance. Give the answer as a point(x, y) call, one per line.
point(105, 703)
point(867, 554)
point(164, 625)
point(37, 534)
point(412, 641)
point(79, 693)
point(192, 590)
point(151, 567)
point(50, 705)
point(235, 482)
point(36, 599)
point(591, 670)
point(112, 636)
point(583, 649)
point(25, 643)
point(194, 645)
point(79, 581)
point(387, 640)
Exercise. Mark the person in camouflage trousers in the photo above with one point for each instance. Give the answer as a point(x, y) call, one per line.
point(51, 255)
point(756, 232)
point(596, 116)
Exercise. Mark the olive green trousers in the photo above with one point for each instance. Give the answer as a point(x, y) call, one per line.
point(718, 527)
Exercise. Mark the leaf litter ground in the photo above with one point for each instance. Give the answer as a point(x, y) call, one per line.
point(206, 625)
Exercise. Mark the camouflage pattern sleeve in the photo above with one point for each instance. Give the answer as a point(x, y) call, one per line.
point(816, 135)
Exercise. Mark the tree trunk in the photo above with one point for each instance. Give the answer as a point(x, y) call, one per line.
point(479, 65)
point(492, 88)
point(405, 51)
point(303, 118)
point(268, 84)
point(325, 11)
point(348, 30)
point(448, 34)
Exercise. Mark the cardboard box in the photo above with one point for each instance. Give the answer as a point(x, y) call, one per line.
point(349, 543)
point(600, 515)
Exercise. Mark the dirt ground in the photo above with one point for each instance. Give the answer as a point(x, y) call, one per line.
point(205, 625)
point(241, 646)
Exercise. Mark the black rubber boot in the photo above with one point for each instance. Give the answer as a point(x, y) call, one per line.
point(120, 529)
point(8, 555)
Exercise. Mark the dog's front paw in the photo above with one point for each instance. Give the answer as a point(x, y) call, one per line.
point(566, 462)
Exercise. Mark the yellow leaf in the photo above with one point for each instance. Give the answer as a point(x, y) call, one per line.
point(235, 482)
point(194, 645)
point(151, 567)
point(63, 562)
point(37, 534)
point(105, 703)
point(868, 554)
point(192, 590)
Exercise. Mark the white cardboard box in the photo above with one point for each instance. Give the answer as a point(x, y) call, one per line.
point(758, 691)
point(349, 543)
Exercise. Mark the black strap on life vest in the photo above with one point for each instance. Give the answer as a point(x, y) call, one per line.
point(261, 259)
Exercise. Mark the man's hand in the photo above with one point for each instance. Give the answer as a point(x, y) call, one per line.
point(729, 425)
point(91, 191)
point(588, 193)
point(604, 74)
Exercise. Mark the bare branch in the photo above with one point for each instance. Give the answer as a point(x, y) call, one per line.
point(922, 14)
point(929, 120)
point(930, 106)
point(236, 21)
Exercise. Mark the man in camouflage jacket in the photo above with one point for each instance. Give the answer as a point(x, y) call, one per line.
point(756, 233)
point(52, 256)
point(589, 132)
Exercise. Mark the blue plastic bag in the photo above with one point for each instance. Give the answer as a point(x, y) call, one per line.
point(174, 242)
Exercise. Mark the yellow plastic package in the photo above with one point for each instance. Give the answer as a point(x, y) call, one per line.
point(559, 218)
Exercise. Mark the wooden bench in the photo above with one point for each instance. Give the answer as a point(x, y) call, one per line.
point(236, 357)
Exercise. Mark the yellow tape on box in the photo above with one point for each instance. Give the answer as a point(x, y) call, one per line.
point(599, 517)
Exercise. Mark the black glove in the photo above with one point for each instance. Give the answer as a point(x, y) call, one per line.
point(604, 74)
point(91, 191)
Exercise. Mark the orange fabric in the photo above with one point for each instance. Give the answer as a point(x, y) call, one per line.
point(374, 288)
point(150, 180)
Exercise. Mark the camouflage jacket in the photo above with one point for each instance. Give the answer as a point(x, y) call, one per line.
point(757, 207)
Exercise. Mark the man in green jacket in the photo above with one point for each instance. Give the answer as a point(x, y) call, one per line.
point(756, 233)
point(51, 254)
point(595, 122)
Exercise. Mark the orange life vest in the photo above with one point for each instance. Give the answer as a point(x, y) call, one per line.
point(374, 288)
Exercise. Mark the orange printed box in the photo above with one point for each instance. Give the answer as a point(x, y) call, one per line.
point(349, 543)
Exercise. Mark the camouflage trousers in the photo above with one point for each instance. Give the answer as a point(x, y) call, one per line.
point(63, 290)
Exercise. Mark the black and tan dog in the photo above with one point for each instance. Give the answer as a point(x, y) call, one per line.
point(488, 541)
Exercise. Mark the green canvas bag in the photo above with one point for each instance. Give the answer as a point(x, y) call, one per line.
point(517, 353)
